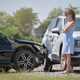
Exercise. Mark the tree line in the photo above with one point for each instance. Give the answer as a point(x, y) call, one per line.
point(20, 24)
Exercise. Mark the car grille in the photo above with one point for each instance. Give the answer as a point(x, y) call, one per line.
point(77, 43)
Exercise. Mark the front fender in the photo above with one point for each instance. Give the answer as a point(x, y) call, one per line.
point(22, 46)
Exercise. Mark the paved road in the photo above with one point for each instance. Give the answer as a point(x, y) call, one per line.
point(55, 67)
point(56, 71)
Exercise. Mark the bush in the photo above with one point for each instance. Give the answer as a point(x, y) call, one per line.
point(12, 32)
point(9, 31)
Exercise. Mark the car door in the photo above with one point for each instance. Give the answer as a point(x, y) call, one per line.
point(5, 49)
point(48, 36)
point(58, 38)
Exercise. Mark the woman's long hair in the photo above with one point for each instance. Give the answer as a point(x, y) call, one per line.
point(70, 12)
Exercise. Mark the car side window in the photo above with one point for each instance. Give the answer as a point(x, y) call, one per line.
point(59, 24)
point(53, 24)
point(5, 44)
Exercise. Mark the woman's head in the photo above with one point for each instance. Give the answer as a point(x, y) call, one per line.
point(70, 14)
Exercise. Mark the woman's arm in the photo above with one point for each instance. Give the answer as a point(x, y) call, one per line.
point(70, 25)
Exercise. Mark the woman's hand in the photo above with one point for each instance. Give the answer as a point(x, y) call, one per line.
point(69, 25)
point(65, 30)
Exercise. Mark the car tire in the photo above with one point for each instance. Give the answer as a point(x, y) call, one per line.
point(60, 52)
point(48, 65)
point(61, 58)
point(24, 60)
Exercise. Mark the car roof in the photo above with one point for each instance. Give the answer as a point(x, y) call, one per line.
point(77, 16)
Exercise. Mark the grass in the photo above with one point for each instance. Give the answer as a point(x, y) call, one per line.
point(36, 76)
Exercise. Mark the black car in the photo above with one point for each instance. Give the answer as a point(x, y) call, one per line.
point(20, 54)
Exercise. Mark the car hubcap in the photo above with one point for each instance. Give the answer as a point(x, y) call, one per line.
point(25, 61)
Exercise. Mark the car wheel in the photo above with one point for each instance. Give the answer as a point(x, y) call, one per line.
point(48, 65)
point(62, 62)
point(6, 68)
point(25, 60)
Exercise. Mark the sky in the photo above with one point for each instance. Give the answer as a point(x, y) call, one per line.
point(42, 7)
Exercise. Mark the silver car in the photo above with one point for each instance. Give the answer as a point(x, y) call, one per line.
point(53, 40)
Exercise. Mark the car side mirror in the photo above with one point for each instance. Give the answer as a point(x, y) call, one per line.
point(55, 30)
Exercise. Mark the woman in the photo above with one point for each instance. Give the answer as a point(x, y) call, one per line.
point(68, 41)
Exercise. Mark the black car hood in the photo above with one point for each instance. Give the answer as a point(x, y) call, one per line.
point(27, 42)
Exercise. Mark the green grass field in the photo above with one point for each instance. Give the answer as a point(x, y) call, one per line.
point(36, 76)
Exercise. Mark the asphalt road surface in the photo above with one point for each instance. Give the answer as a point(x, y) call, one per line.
point(57, 70)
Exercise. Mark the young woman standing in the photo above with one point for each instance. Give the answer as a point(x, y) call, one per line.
point(68, 41)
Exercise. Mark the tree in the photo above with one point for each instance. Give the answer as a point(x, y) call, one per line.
point(54, 13)
point(76, 9)
point(7, 24)
point(6, 20)
point(25, 19)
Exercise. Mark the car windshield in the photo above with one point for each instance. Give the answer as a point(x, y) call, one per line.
point(77, 28)
point(52, 24)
